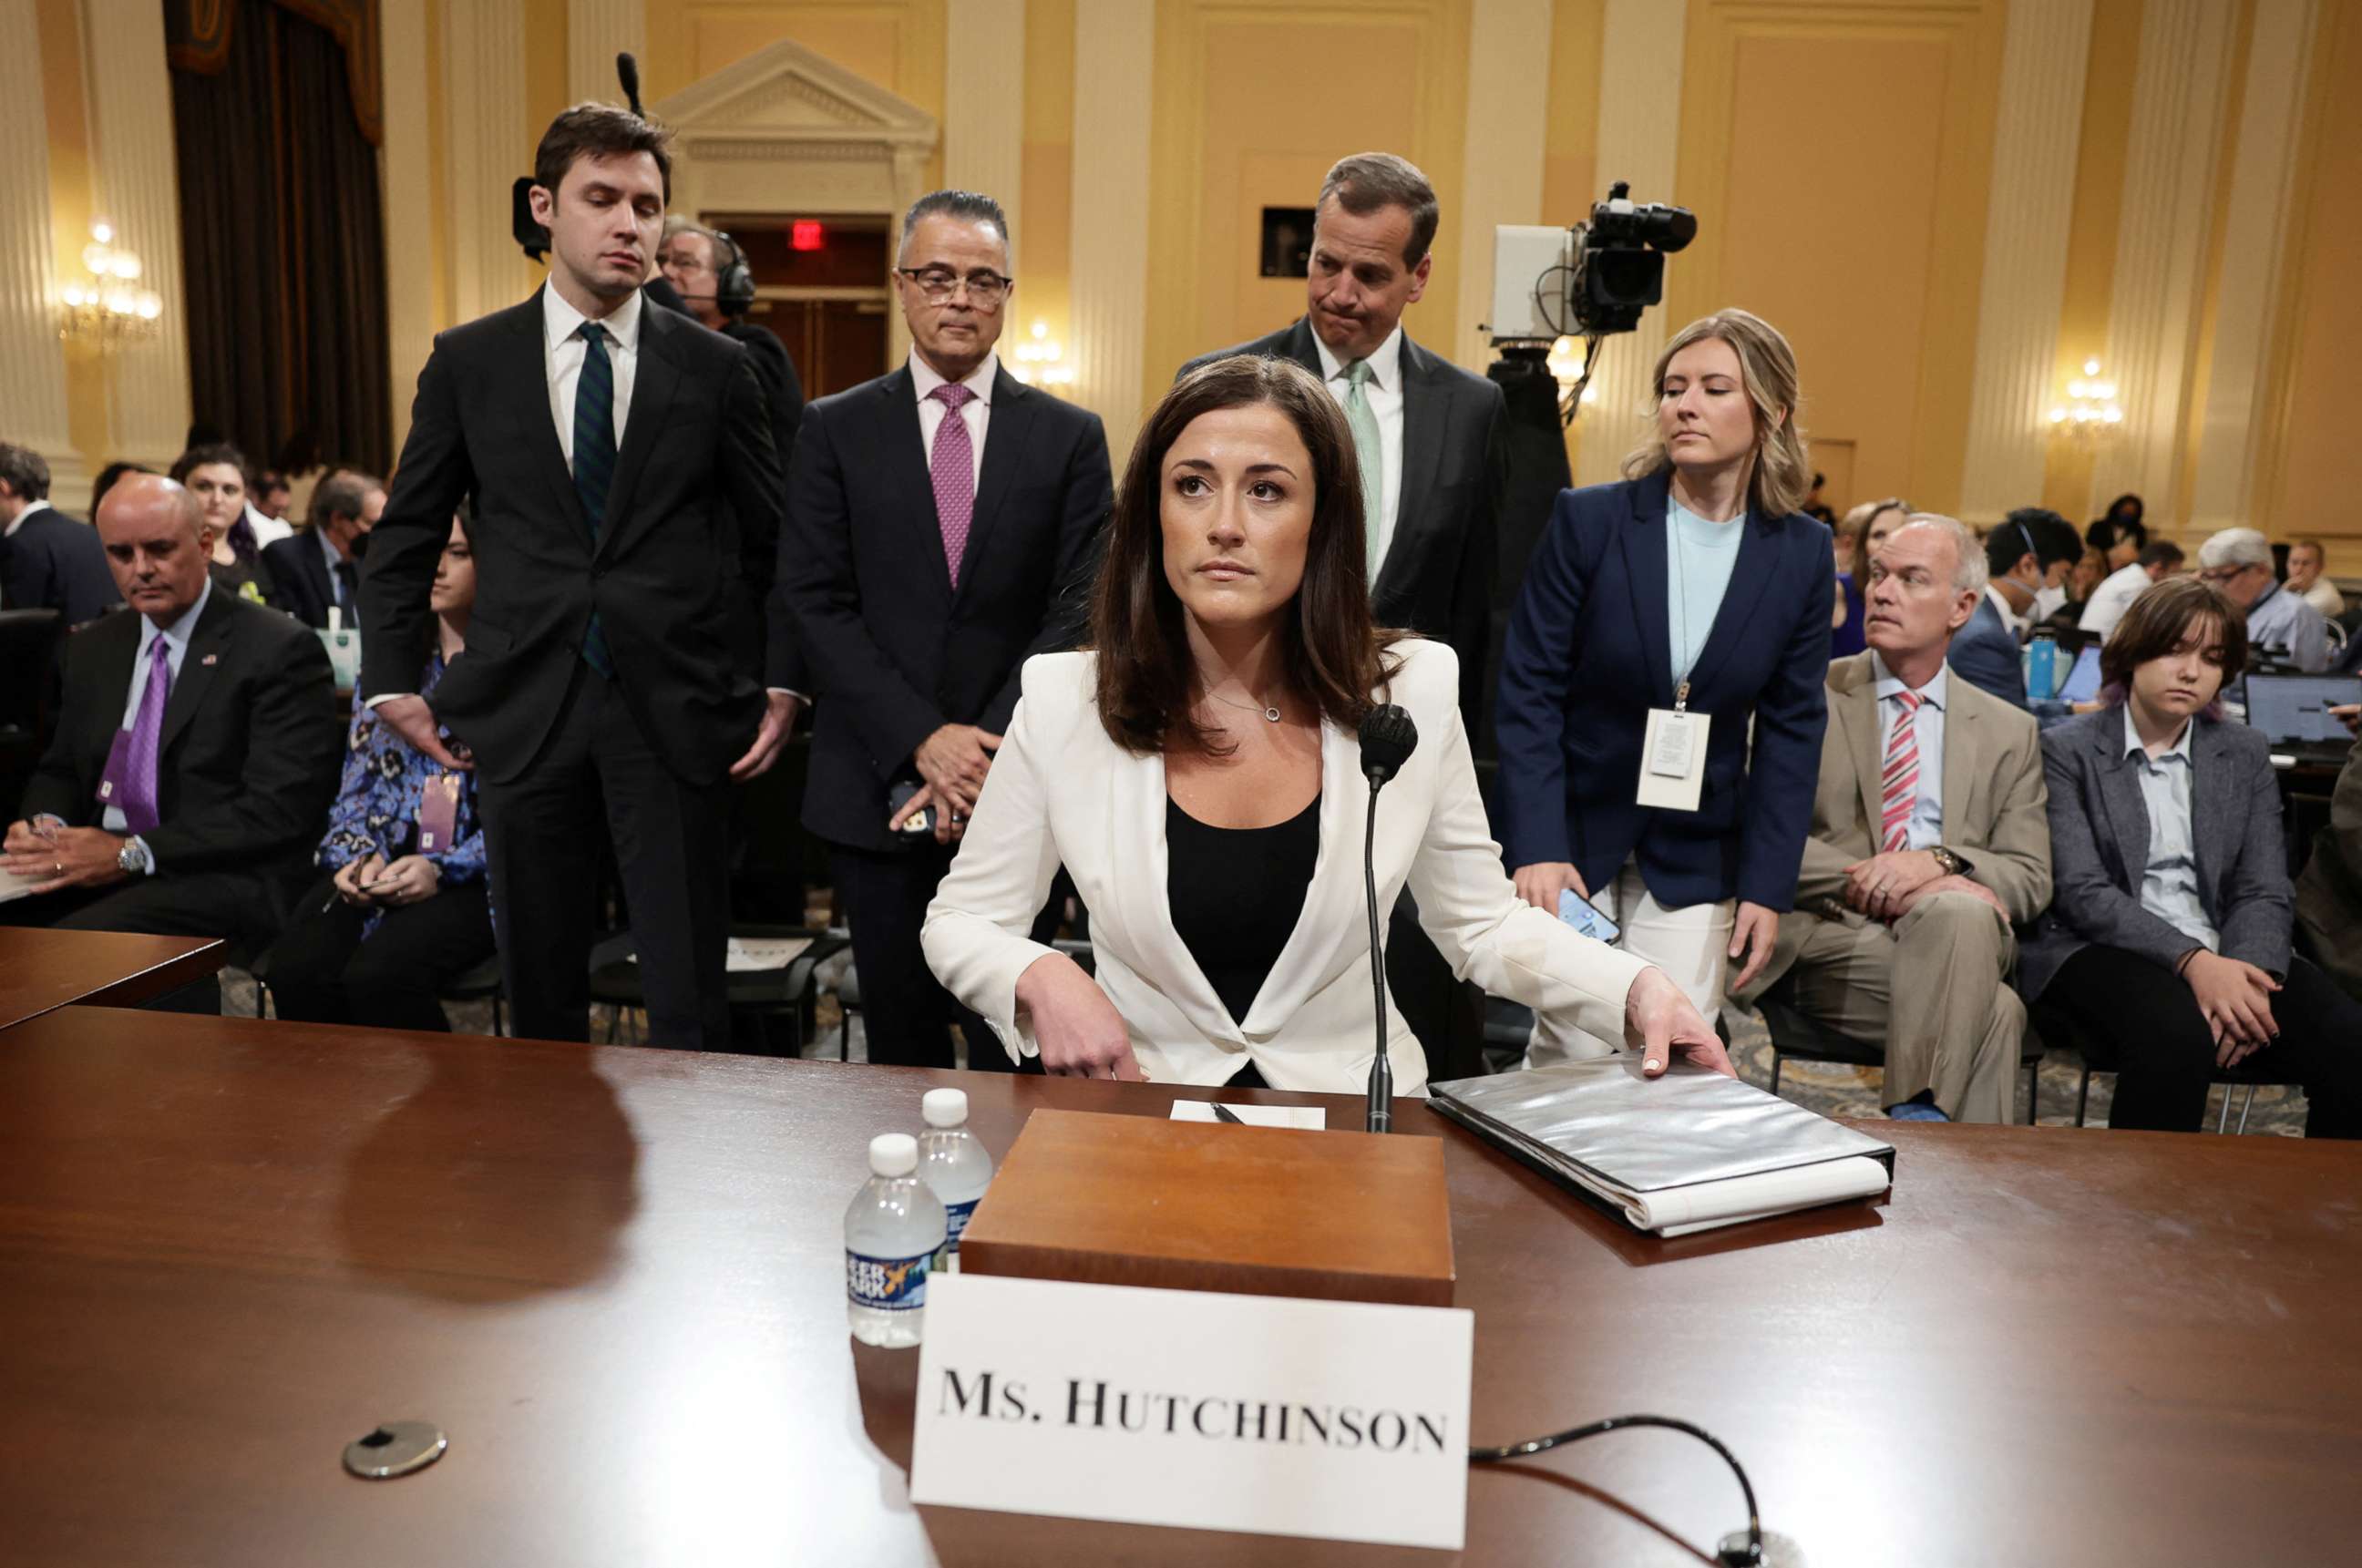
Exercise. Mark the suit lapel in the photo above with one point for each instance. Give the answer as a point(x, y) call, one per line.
point(102, 721)
point(906, 472)
point(315, 567)
point(2207, 763)
point(1006, 431)
point(1425, 415)
point(1866, 732)
point(524, 372)
point(2120, 797)
point(1299, 345)
point(1961, 758)
point(1643, 543)
point(199, 665)
point(655, 381)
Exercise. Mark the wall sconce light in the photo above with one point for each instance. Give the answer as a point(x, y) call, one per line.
point(1041, 361)
point(2091, 412)
point(1566, 368)
point(106, 309)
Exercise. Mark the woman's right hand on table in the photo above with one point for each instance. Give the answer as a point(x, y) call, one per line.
point(1541, 883)
point(1077, 1029)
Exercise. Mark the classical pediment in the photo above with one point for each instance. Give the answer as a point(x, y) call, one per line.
point(787, 93)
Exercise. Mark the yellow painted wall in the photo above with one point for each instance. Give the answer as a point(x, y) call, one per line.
point(1254, 102)
point(72, 194)
point(1045, 229)
point(2314, 466)
point(1838, 157)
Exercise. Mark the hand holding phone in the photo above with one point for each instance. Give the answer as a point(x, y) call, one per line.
point(1581, 914)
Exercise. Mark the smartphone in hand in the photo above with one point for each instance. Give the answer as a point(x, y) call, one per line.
point(1579, 912)
point(898, 797)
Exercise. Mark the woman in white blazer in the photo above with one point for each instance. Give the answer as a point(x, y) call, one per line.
point(1197, 771)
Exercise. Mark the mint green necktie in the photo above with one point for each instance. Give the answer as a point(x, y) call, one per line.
point(1372, 454)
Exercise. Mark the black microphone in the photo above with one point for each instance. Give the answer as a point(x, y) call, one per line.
point(1388, 737)
point(628, 71)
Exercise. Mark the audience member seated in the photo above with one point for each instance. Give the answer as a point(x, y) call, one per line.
point(2237, 564)
point(195, 753)
point(2083, 580)
point(1858, 535)
point(320, 568)
point(2122, 531)
point(272, 495)
point(1928, 843)
point(1199, 774)
point(106, 478)
point(2029, 552)
point(2329, 891)
point(406, 909)
point(2120, 588)
point(215, 475)
point(2168, 929)
point(2308, 578)
point(48, 561)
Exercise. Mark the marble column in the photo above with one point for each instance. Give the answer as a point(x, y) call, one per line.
point(137, 185)
point(2028, 218)
point(406, 175)
point(1640, 81)
point(1115, 53)
point(1501, 169)
point(984, 105)
point(32, 363)
point(2179, 85)
point(596, 31)
point(2235, 422)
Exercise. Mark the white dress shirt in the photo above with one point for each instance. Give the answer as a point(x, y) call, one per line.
point(176, 640)
point(564, 352)
point(18, 521)
point(1384, 391)
point(2016, 622)
point(975, 413)
point(2169, 887)
point(1926, 828)
point(2112, 598)
point(267, 531)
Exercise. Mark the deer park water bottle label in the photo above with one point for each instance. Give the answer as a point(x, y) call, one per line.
point(887, 1285)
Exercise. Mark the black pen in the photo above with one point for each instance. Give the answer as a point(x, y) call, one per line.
point(1224, 1114)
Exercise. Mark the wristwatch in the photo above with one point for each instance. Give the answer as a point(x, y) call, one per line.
point(1952, 864)
point(132, 858)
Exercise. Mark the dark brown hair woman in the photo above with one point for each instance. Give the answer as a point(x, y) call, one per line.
point(1197, 771)
point(2169, 934)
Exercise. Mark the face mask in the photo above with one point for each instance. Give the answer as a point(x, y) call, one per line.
point(2049, 602)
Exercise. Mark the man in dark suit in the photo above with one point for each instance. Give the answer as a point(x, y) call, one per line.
point(626, 511)
point(1432, 442)
point(320, 568)
point(48, 561)
point(708, 272)
point(941, 527)
point(196, 753)
point(1430, 435)
point(2027, 552)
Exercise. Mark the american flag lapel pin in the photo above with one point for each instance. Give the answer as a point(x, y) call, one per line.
point(210, 659)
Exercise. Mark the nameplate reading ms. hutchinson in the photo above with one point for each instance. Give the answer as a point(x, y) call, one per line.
point(1269, 1415)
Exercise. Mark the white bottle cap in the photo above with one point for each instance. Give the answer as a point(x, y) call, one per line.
point(893, 1154)
point(944, 1107)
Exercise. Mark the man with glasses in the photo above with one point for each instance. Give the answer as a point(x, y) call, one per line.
point(942, 522)
point(2237, 564)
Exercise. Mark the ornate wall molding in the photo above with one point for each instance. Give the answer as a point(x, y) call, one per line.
point(1501, 174)
point(137, 182)
point(32, 365)
point(984, 107)
point(1115, 61)
point(596, 31)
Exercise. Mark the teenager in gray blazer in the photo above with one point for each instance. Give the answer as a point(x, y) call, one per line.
point(2168, 928)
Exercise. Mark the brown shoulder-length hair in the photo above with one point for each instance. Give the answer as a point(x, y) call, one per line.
point(1334, 652)
point(2163, 615)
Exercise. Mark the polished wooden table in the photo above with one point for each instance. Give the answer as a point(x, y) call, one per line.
point(44, 969)
point(614, 1277)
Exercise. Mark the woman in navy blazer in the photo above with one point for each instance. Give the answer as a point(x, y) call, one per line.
point(1695, 581)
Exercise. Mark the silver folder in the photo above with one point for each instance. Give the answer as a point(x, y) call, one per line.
point(1687, 1152)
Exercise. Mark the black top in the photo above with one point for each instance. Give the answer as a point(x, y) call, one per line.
point(1236, 894)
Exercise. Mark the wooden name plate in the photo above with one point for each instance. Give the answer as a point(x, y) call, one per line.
point(1203, 1206)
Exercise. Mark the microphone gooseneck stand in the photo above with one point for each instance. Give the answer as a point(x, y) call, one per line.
point(1382, 1070)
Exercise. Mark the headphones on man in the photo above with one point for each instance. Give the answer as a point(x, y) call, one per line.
point(733, 284)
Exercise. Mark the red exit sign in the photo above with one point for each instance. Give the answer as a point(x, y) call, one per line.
point(806, 233)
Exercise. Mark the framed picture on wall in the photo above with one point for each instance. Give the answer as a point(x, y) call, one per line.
point(1287, 242)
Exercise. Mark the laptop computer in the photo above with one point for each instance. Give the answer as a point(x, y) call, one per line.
point(2294, 712)
point(2082, 682)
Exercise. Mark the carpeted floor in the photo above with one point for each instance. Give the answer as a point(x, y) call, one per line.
point(1828, 1087)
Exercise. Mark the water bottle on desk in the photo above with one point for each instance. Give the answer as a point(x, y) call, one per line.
point(2042, 666)
point(892, 1235)
point(953, 1163)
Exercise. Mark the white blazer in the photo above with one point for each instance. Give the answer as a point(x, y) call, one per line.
point(1061, 791)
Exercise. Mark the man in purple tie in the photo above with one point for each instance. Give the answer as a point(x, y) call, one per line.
point(195, 754)
point(942, 522)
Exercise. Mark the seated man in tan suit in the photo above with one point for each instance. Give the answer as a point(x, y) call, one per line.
point(1929, 841)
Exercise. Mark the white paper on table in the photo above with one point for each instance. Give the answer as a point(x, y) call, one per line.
point(12, 887)
point(753, 954)
point(1311, 1118)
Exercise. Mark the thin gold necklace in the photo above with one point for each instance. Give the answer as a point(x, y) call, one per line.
point(1270, 712)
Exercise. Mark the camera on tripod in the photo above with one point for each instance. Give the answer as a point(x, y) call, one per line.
point(1590, 281)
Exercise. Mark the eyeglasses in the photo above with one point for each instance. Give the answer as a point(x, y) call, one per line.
point(984, 289)
point(2223, 574)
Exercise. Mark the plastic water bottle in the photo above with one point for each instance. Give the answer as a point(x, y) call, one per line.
point(892, 1235)
point(953, 1163)
point(2042, 666)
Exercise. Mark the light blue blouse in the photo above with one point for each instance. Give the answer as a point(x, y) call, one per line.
point(1699, 557)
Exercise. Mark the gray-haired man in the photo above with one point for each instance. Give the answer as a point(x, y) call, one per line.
point(2237, 562)
point(1930, 840)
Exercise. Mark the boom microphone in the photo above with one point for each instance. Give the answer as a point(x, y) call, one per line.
point(1388, 737)
point(628, 71)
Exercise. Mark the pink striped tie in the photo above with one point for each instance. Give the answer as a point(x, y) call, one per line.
point(1899, 779)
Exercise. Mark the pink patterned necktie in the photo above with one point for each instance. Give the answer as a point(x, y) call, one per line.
point(954, 470)
point(1899, 786)
point(139, 802)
